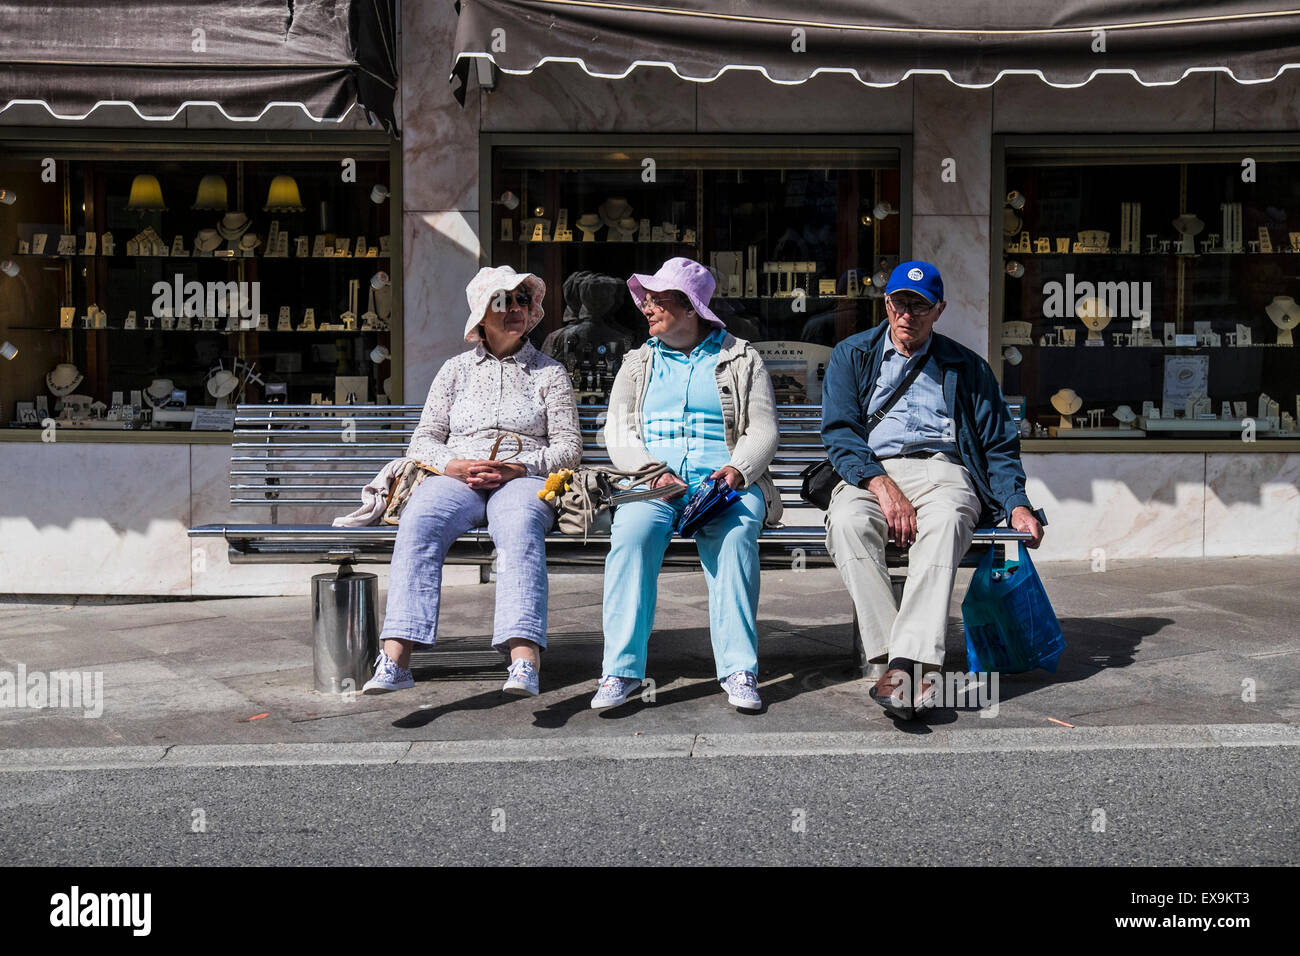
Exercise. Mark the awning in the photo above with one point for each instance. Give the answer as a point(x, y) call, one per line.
point(326, 57)
point(883, 42)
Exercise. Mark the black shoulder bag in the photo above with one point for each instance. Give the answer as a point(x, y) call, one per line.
point(820, 478)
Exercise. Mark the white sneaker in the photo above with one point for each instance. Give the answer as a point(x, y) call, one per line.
point(742, 690)
point(522, 680)
point(614, 691)
point(388, 677)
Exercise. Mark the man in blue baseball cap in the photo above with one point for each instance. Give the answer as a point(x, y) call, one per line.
point(917, 429)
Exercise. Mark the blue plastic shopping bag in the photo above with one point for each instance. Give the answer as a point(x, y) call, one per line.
point(1009, 622)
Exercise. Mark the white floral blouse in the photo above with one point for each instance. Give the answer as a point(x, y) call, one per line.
point(476, 396)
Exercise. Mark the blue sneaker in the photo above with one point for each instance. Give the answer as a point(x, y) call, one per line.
point(614, 691)
point(522, 680)
point(388, 677)
point(742, 690)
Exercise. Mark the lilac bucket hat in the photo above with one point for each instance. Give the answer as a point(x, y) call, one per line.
point(488, 282)
point(680, 275)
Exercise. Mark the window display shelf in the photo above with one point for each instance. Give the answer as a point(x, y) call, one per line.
point(1210, 299)
point(229, 205)
point(735, 209)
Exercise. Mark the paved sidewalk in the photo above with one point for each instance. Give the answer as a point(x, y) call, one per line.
point(1151, 643)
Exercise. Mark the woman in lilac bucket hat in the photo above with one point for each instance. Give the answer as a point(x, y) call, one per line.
point(479, 402)
point(698, 399)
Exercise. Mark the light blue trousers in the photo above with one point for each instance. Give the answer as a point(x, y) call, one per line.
point(439, 511)
point(729, 554)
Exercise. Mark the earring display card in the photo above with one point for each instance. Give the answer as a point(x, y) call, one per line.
point(351, 390)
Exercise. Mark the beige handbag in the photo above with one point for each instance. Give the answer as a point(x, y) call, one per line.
point(584, 500)
point(416, 471)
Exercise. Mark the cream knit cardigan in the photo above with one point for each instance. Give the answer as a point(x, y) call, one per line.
point(748, 413)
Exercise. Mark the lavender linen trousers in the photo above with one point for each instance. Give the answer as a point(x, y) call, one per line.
point(439, 511)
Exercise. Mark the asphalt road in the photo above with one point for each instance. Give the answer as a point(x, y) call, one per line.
point(1156, 806)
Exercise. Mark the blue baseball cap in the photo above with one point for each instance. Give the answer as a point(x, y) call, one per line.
point(919, 277)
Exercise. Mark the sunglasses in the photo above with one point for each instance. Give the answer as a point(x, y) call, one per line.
point(502, 300)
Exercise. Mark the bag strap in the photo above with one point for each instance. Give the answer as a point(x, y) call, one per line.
point(496, 446)
point(878, 416)
point(625, 480)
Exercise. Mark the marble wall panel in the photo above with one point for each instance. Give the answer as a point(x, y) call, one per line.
point(1106, 104)
point(1129, 506)
point(959, 246)
point(951, 123)
point(441, 251)
point(80, 518)
point(439, 137)
point(743, 101)
point(1252, 505)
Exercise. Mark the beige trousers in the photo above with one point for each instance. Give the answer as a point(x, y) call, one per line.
point(947, 508)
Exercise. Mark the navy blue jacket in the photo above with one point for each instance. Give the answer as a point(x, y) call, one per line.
point(987, 439)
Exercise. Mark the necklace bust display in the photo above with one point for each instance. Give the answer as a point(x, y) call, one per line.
point(63, 379)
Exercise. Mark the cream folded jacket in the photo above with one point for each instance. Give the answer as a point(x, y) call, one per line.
point(748, 414)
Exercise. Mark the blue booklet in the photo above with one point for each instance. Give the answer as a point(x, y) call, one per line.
point(711, 498)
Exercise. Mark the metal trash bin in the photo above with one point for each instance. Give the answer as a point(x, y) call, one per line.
point(345, 637)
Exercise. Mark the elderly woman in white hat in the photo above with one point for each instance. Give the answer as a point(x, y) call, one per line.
point(699, 400)
point(501, 387)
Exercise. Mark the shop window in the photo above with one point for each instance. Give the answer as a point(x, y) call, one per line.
point(156, 288)
point(799, 240)
point(1151, 293)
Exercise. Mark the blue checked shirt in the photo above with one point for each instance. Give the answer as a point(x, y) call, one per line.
point(919, 421)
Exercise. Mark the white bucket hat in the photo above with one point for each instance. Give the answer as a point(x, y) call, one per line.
point(493, 279)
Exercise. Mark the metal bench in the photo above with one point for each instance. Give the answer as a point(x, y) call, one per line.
point(307, 464)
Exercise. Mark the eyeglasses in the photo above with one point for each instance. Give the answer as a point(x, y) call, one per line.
point(503, 299)
point(916, 308)
point(649, 302)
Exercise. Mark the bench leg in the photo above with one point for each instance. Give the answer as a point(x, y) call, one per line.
point(486, 572)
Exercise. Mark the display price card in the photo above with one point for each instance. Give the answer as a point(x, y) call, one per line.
point(213, 420)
